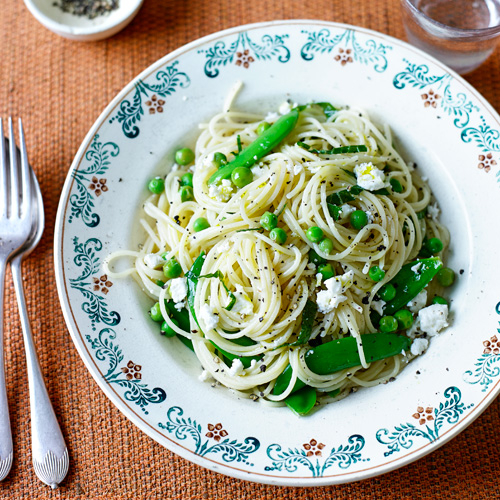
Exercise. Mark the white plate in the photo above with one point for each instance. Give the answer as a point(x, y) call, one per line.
point(440, 122)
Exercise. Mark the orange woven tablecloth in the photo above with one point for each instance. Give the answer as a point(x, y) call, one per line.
point(59, 88)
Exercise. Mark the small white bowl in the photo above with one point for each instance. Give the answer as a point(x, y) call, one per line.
point(80, 27)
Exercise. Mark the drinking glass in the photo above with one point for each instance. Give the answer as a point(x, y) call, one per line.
point(460, 33)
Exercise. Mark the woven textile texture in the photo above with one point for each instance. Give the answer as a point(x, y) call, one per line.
point(59, 88)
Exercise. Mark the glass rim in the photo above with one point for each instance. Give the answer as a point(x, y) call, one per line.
point(459, 32)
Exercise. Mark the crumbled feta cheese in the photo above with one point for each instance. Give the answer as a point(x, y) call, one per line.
point(319, 279)
point(178, 289)
point(330, 298)
point(243, 304)
point(205, 376)
point(378, 305)
point(311, 266)
point(370, 216)
point(366, 268)
point(236, 368)
point(418, 302)
point(433, 211)
point(223, 247)
point(208, 318)
point(346, 210)
point(416, 267)
point(414, 329)
point(297, 168)
point(258, 170)
point(418, 346)
point(285, 108)
point(180, 305)
point(153, 260)
point(221, 192)
point(271, 117)
point(369, 177)
point(433, 318)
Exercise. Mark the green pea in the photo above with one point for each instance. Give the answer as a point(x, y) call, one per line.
point(269, 221)
point(446, 276)
point(187, 179)
point(220, 159)
point(167, 330)
point(187, 193)
point(315, 258)
point(172, 269)
point(184, 156)
point(156, 185)
point(326, 245)
point(439, 300)
point(155, 312)
point(387, 292)
point(376, 274)
point(359, 219)
point(200, 224)
point(396, 185)
point(434, 245)
point(404, 319)
point(241, 176)
point(326, 271)
point(388, 324)
point(315, 234)
point(278, 235)
point(262, 127)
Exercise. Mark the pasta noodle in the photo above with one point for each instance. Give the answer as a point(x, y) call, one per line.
point(271, 282)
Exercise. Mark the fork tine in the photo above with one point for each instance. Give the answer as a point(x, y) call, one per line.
point(14, 176)
point(3, 174)
point(25, 173)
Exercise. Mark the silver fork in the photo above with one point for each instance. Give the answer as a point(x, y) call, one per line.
point(49, 452)
point(15, 229)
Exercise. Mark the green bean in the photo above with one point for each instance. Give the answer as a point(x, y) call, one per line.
point(340, 354)
point(302, 401)
point(409, 283)
point(263, 145)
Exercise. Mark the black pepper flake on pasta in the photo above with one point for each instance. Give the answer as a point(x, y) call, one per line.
point(461, 271)
point(262, 368)
point(261, 319)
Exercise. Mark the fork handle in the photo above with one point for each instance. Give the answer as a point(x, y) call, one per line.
point(49, 451)
point(6, 450)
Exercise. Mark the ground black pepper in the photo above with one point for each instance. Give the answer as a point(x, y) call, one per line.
point(88, 8)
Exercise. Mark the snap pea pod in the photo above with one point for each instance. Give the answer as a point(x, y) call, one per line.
point(264, 144)
point(303, 401)
point(246, 361)
point(308, 316)
point(343, 353)
point(182, 318)
point(410, 281)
